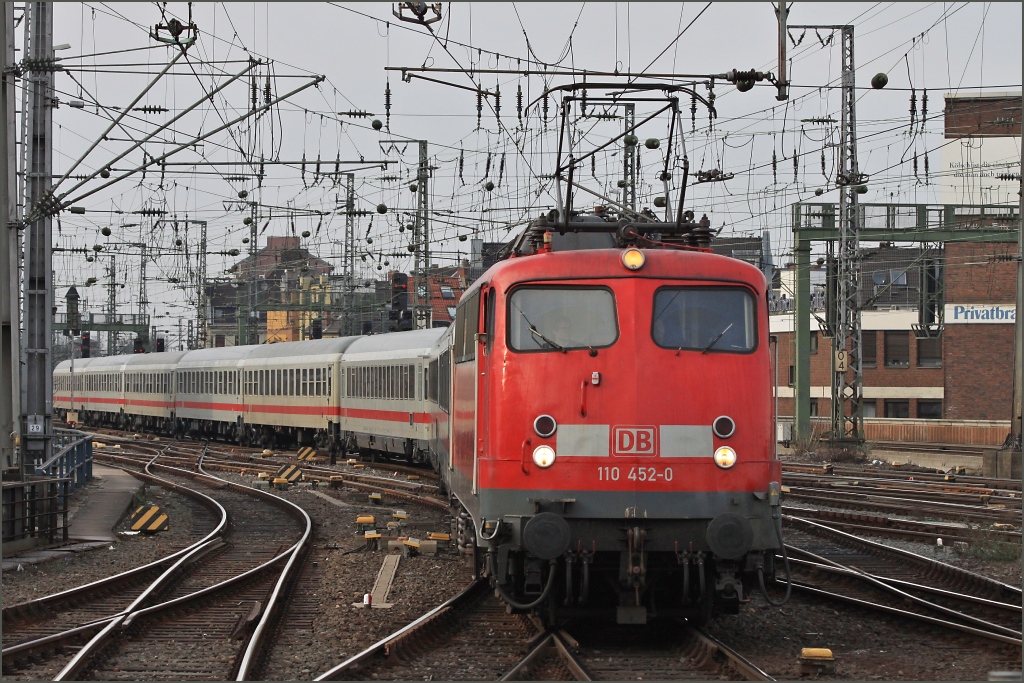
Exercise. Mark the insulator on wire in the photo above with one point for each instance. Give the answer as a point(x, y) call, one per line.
point(775, 168)
point(497, 103)
point(462, 161)
point(545, 107)
point(479, 105)
point(796, 165)
point(519, 102)
point(337, 165)
point(913, 107)
point(915, 166)
point(501, 169)
point(823, 164)
point(303, 173)
point(316, 174)
point(255, 93)
point(487, 167)
point(387, 103)
point(593, 165)
point(927, 180)
point(266, 91)
point(924, 108)
point(693, 112)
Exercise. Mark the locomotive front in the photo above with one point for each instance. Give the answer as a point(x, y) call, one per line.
point(623, 435)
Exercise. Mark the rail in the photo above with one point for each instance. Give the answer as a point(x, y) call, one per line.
point(72, 458)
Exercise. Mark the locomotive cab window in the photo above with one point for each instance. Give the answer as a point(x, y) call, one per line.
point(707, 319)
point(561, 318)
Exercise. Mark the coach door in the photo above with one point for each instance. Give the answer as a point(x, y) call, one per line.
point(465, 389)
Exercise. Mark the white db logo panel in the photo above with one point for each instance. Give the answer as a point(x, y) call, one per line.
point(635, 441)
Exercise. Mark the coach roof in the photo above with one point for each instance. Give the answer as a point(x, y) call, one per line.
point(393, 345)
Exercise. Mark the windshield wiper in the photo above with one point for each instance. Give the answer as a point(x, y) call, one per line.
point(553, 344)
point(533, 330)
point(715, 340)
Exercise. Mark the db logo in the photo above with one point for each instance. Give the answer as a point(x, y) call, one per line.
point(634, 441)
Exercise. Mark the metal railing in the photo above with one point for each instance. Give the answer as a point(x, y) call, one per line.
point(72, 458)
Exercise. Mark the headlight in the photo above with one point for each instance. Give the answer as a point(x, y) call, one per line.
point(544, 456)
point(545, 425)
point(633, 259)
point(725, 457)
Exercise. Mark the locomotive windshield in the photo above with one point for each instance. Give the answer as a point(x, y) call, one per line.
point(707, 319)
point(561, 318)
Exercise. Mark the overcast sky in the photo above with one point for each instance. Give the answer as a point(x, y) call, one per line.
point(940, 47)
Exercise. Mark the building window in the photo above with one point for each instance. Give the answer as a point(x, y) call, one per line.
point(814, 407)
point(897, 408)
point(897, 349)
point(869, 409)
point(814, 342)
point(447, 292)
point(929, 353)
point(869, 348)
point(792, 375)
point(929, 410)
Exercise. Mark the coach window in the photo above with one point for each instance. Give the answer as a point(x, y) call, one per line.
point(707, 319)
point(316, 382)
point(304, 383)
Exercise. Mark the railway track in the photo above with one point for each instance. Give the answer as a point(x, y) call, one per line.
point(905, 529)
point(470, 637)
point(831, 563)
point(598, 652)
point(908, 475)
point(215, 615)
point(894, 503)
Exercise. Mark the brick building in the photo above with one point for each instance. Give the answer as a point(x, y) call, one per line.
point(963, 374)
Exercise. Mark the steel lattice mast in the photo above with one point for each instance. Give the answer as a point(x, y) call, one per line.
point(847, 371)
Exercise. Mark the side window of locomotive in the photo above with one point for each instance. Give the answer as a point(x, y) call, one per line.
point(707, 319)
point(467, 323)
point(489, 318)
point(561, 318)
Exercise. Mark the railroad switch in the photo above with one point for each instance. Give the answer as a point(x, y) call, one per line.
point(365, 523)
point(816, 661)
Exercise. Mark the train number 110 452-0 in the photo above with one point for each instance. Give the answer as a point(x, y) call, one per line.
point(634, 474)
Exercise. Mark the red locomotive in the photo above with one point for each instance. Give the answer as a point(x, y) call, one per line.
point(611, 441)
